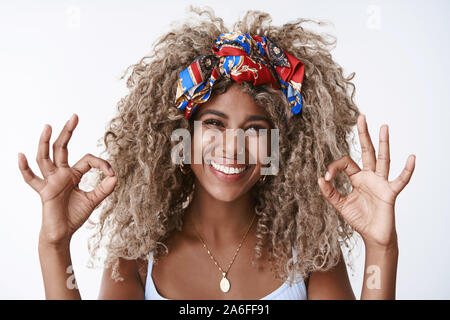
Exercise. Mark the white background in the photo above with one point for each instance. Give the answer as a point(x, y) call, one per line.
point(64, 57)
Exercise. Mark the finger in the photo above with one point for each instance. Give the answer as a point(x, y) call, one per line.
point(43, 160)
point(384, 158)
point(60, 152)
point(346, 164)
point(367, 149)
point(402, 180)
point(330, 193)
point(89, 161)
point(30, 178)
point(103, 190)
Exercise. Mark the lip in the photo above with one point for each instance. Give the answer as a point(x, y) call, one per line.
point(229, 165)
point(229, 177)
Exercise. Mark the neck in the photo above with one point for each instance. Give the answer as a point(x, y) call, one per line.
point(219, 223)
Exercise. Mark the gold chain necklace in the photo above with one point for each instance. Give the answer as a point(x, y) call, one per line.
point(224, 282)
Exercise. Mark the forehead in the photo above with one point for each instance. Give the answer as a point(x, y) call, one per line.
point(234, 101)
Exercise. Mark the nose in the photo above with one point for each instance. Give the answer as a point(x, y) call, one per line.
point(234, 148)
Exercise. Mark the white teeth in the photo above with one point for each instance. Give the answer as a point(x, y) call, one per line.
point(226, 169)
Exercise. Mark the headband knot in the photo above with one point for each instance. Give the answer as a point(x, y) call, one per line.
point(243, 58)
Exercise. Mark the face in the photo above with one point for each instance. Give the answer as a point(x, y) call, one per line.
point(228, 170)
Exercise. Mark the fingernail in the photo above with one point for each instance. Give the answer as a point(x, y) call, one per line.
point(327, 176)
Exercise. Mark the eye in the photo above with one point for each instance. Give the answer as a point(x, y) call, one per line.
point(254, 129)
point(213, 122)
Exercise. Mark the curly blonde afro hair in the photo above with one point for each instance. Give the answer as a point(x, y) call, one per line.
point(151, 194)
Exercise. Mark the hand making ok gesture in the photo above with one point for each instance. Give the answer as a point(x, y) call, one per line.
point(369, 208)
point(65, 207)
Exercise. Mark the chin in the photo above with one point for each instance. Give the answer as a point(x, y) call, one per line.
point(225, 186)
point(225, 195)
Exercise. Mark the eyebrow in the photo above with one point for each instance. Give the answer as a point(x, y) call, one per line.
point(223, 115)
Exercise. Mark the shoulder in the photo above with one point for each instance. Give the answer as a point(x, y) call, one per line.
point(132, 285)
point(333, 284)
point(306, 280)
point(142, 266)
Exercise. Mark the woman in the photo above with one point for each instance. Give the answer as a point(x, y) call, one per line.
point(214, 227)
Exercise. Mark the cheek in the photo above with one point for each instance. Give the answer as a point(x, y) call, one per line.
point(197, 148)
point(204, 146)
point(258, 148)
point(252, 145)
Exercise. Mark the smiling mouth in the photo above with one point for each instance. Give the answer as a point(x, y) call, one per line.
point(228, 170)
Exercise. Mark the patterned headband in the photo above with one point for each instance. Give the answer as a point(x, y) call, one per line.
point(243, 58)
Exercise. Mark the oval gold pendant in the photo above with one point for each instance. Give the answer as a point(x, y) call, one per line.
point(224, 284)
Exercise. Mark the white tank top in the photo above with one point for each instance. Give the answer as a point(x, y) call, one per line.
point(286, 292)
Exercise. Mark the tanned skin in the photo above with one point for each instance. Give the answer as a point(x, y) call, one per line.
point(221, 212)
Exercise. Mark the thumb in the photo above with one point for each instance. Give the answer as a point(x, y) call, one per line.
point(331, 194)
point(103, 190)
